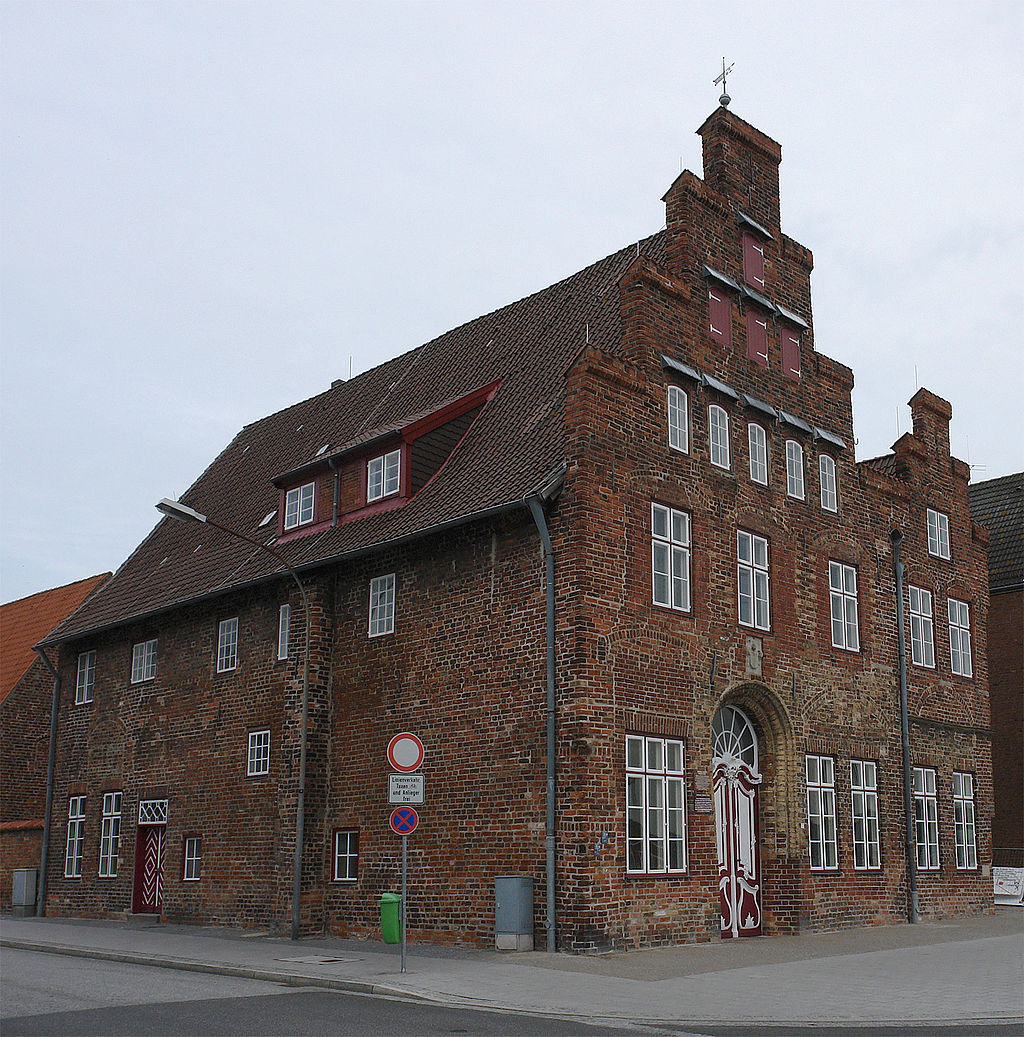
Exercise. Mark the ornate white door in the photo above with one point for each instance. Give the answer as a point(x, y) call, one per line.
point(735, 782)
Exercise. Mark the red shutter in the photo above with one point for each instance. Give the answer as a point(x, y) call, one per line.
point(757, 337)
point(720, 316)
point(753, 261)
point(790, 353)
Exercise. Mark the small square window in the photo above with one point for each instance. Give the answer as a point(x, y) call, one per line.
point(227, 645)
point(938, 534)
point(259, 753)
point(298, 506)
point(346, 855)
point(144, 661)
point(383, 475)
point(86, 678)
point(382, 605)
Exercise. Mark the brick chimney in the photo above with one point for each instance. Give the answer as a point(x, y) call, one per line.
point(742, 163)
point(931, 415)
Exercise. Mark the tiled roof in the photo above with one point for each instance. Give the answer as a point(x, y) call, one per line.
point(25, 622)
point(511, 449)
point(886, 463)
point(998, 505)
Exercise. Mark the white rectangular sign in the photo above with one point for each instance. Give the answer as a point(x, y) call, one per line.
point(405, 788)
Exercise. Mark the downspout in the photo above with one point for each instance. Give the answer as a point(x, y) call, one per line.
point(332, 464)
point(537, 511)
point(913, 912)
point(50, 768)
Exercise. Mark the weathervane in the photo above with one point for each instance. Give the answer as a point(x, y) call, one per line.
point(725, 98)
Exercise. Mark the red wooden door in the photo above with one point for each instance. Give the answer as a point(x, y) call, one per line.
point(149, 869)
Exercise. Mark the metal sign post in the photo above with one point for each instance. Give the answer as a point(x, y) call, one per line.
point(405, 871)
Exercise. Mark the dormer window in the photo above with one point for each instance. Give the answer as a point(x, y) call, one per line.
point(298, 506)
point(383, 475)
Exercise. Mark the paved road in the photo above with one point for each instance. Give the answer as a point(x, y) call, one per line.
point(46, 994)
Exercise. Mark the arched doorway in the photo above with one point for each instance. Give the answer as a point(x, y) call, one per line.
point(736, 777)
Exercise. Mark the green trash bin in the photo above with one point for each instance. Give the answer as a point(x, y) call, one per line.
point(391, 917)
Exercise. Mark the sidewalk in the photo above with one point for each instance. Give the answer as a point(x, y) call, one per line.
point(964, 970)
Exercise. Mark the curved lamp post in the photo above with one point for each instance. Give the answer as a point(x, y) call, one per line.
point(186, 514)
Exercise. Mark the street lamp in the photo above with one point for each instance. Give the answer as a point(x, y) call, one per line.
point(183, 513)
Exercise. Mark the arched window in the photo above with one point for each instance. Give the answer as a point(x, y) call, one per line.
point(733, 737)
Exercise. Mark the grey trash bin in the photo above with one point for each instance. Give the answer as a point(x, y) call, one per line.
point(23, 892)
point(513, 913)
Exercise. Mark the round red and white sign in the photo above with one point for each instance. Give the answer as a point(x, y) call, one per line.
point(405, 752)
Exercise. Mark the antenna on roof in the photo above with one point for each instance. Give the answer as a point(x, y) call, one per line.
point(588, 332)
point(350, 367)
point(725, 98)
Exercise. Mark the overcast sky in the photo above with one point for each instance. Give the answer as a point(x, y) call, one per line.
point(211, 210)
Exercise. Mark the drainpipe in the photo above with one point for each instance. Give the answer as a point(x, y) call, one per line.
point(50, 768)
point(913, 911)
point(535, 504)
point(333, 465)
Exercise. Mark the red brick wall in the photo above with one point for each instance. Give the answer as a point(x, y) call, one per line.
point(24, 745)
point(1006, 677)
point(19, 848)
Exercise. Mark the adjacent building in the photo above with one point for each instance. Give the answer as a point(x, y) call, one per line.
point(608, 553)
point(998, 505)
point(26, 700)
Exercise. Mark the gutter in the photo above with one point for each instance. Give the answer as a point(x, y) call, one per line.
point(536, 505)
point(913, 908)
point(50, 769)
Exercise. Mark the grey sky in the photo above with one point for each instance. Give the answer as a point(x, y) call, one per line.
point(209, 208)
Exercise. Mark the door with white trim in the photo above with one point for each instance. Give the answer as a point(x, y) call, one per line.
point(150, 847)
point(735, 783)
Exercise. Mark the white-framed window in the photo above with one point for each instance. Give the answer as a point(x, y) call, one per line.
point(963, 821)
point(346, 855)
point(960, 638)
point(655, 805)
point(284, 620)
point(867, 853)
point(153, 812)
point(752, 580)
point(227, 645)
point(259, 753)
point(382, 605)
point(110, 834)
point(383, 475)
point(938, 534)
point(922, 641)
point(76, 838)
point(298, 505)
point(678, 419)
point(842, 590)
point(192, 859)
point(758, 441)
point(718, 434)
point(794, 469)
point(926, 819)
point(670, 557)
point(144, 661)
point(86, 677)
point(827, 473)
point(822, 843)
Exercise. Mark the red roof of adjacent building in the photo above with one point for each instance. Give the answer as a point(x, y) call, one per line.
point(24, 623)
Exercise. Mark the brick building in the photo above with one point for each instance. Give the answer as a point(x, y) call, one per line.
point(26, 701)
point(998, 505)
point(608, 552)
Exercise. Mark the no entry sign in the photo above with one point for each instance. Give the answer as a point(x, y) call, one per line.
point(405, 752)
point(403, 820)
